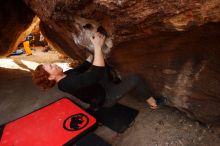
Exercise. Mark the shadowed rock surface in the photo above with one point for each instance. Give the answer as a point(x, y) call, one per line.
point(174, 45)
point(184, 67)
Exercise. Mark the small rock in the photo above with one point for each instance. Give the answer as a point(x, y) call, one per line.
point(180, 142)
point(161, 122)
point(200, 138)
point(180, 121)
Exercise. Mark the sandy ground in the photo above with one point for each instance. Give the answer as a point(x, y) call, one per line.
point(163, 127)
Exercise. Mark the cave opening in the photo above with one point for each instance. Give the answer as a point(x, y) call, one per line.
point(33, 49)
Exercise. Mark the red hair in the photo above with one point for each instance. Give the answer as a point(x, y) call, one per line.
point(40, 78)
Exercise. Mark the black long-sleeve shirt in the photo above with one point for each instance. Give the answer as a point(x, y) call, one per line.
point(84, 82)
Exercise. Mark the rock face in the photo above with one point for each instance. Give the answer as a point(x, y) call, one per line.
point(184, 67)
point(174, 45)
point(125, 20)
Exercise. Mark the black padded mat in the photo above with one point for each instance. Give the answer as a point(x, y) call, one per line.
point(91, 139)
point(118, 117)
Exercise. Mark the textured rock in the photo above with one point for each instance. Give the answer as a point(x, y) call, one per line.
point(149, 38)
point(128, 19)
point(184, 67)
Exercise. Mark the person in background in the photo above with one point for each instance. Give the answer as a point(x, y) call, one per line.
point(91, 82)
point(26, 44)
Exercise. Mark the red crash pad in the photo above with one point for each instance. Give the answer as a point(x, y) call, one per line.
point(53, 125)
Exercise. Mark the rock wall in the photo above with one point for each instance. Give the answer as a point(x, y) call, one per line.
point(174, 45)
point(184, 67)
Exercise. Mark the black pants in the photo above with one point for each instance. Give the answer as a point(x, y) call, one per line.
point(114, 92)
